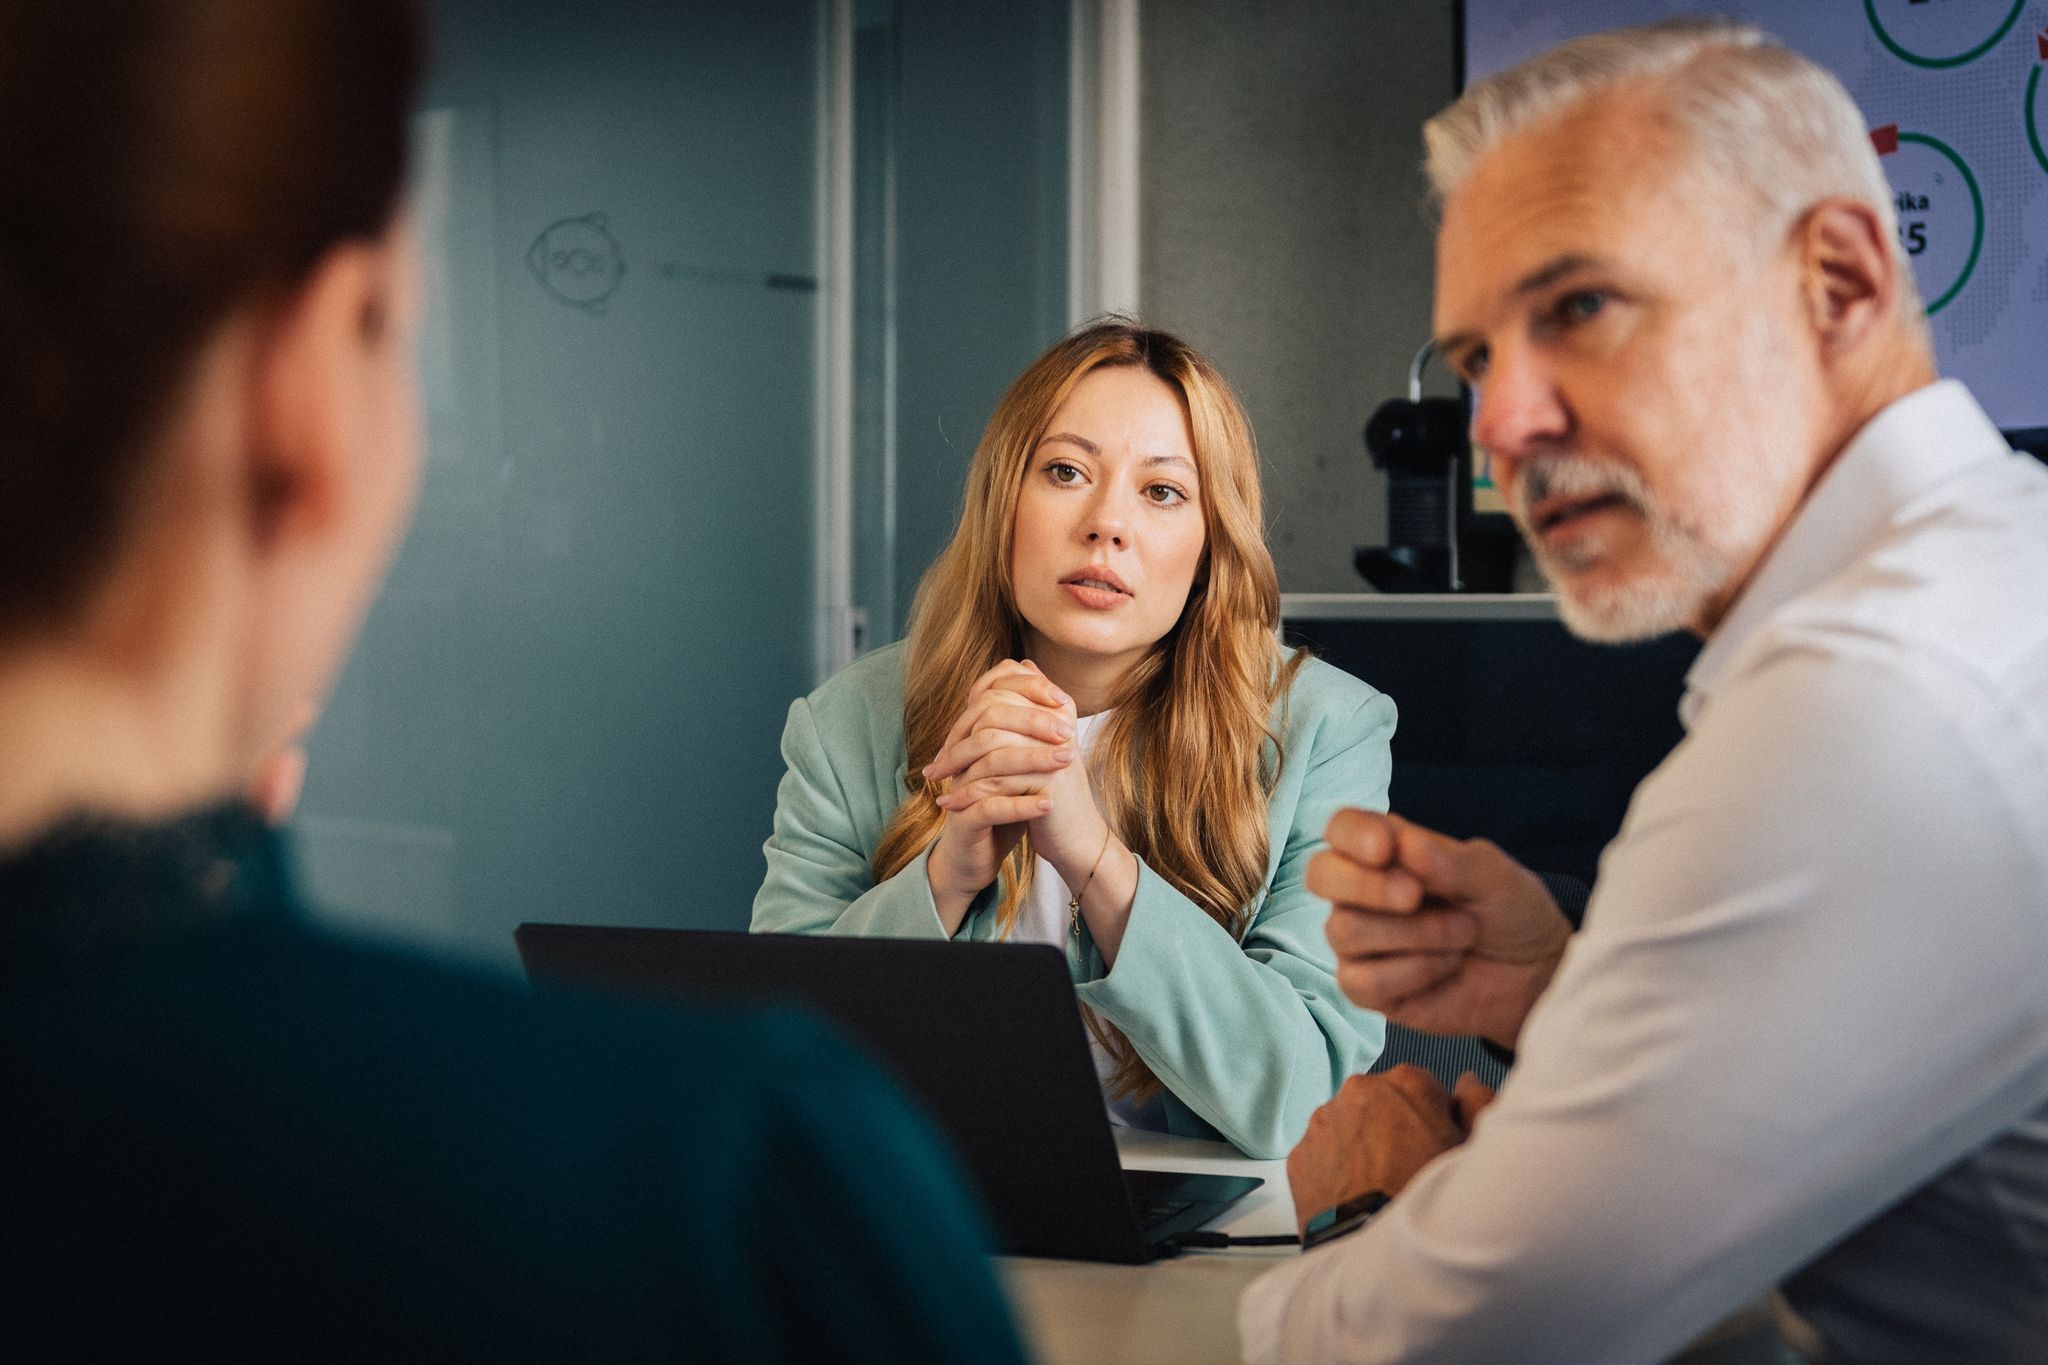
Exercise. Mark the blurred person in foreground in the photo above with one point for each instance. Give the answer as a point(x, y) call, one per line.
point(1802, 1039)
point(225, 1133)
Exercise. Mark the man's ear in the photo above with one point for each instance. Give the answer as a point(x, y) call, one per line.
point(1850, 275)
point(312, 379)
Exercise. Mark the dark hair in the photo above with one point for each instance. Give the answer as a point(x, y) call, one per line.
point(163, 164)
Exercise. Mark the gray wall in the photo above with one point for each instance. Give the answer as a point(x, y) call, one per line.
point(1284, 233)
point(981, 243)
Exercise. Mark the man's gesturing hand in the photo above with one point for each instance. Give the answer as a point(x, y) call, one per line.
point(1441, 935)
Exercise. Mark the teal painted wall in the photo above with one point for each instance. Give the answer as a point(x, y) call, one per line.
point(567, 703)
point(978, 215)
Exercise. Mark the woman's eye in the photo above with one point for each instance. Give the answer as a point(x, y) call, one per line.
point(1165, 494)
point(1059, 471)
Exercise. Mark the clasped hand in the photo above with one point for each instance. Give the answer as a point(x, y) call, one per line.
point(1010, 763)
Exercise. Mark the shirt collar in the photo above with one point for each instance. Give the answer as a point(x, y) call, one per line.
point(1904, 450)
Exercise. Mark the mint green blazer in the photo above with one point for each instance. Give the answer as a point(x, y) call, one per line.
point(1248, 1038)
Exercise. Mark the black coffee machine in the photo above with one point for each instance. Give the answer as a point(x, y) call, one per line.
point(1435, 542)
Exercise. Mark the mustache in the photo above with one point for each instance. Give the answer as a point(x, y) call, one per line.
point(1575, 476)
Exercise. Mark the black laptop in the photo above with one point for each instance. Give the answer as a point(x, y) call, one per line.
point(989, 1036)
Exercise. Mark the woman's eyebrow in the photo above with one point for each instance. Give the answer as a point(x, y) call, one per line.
point(1069, 437)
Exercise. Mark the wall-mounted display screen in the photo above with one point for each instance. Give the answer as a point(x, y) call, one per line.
point(1953, 93)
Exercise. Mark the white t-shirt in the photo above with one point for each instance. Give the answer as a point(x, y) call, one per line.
point(1044, 918)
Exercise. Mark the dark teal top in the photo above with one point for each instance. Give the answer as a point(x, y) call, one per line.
point(224, 1133)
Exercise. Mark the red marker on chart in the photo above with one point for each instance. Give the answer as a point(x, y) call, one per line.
point(1885, 139)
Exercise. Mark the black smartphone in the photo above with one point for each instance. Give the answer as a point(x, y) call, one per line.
point(1349, 1216)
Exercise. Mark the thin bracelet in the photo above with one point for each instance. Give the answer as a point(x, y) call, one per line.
point(1074, 902)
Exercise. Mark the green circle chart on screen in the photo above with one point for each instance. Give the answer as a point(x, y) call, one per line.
point(2034, 118)
point(1909, 33)
point(1927, 179)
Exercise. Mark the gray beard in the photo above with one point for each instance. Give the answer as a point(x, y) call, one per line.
point(1689, 570)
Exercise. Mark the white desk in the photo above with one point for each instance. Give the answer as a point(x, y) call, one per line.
point(1178, 1312)
point(1184, 1311)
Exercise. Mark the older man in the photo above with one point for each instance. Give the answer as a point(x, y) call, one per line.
point(1803, 1037)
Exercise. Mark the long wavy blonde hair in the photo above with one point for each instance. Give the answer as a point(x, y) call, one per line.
point(1184, 767)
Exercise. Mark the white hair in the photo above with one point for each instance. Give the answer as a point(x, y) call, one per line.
point(1751, 111)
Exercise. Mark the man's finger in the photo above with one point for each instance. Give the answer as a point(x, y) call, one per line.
point(1342, 880)
point(1364, 836)
point(1469, 1098)
point(1443, 1009)
point(1451, 868)
point(1419, 1086)
point(1382, 983)
point(1365, 933)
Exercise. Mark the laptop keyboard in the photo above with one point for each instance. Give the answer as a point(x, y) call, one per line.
point(1157, 1197)
point(1152, 1213)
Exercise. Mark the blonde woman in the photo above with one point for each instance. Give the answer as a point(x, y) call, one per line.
point(1092, 738)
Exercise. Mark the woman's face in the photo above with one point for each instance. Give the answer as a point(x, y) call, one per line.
point(1110, 528)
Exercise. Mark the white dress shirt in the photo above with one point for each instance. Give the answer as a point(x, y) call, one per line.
point(1806, 1024)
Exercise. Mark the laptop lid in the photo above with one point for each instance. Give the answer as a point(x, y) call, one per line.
point(988, 1037)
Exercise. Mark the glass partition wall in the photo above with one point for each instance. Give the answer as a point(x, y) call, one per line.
point(566, 706)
